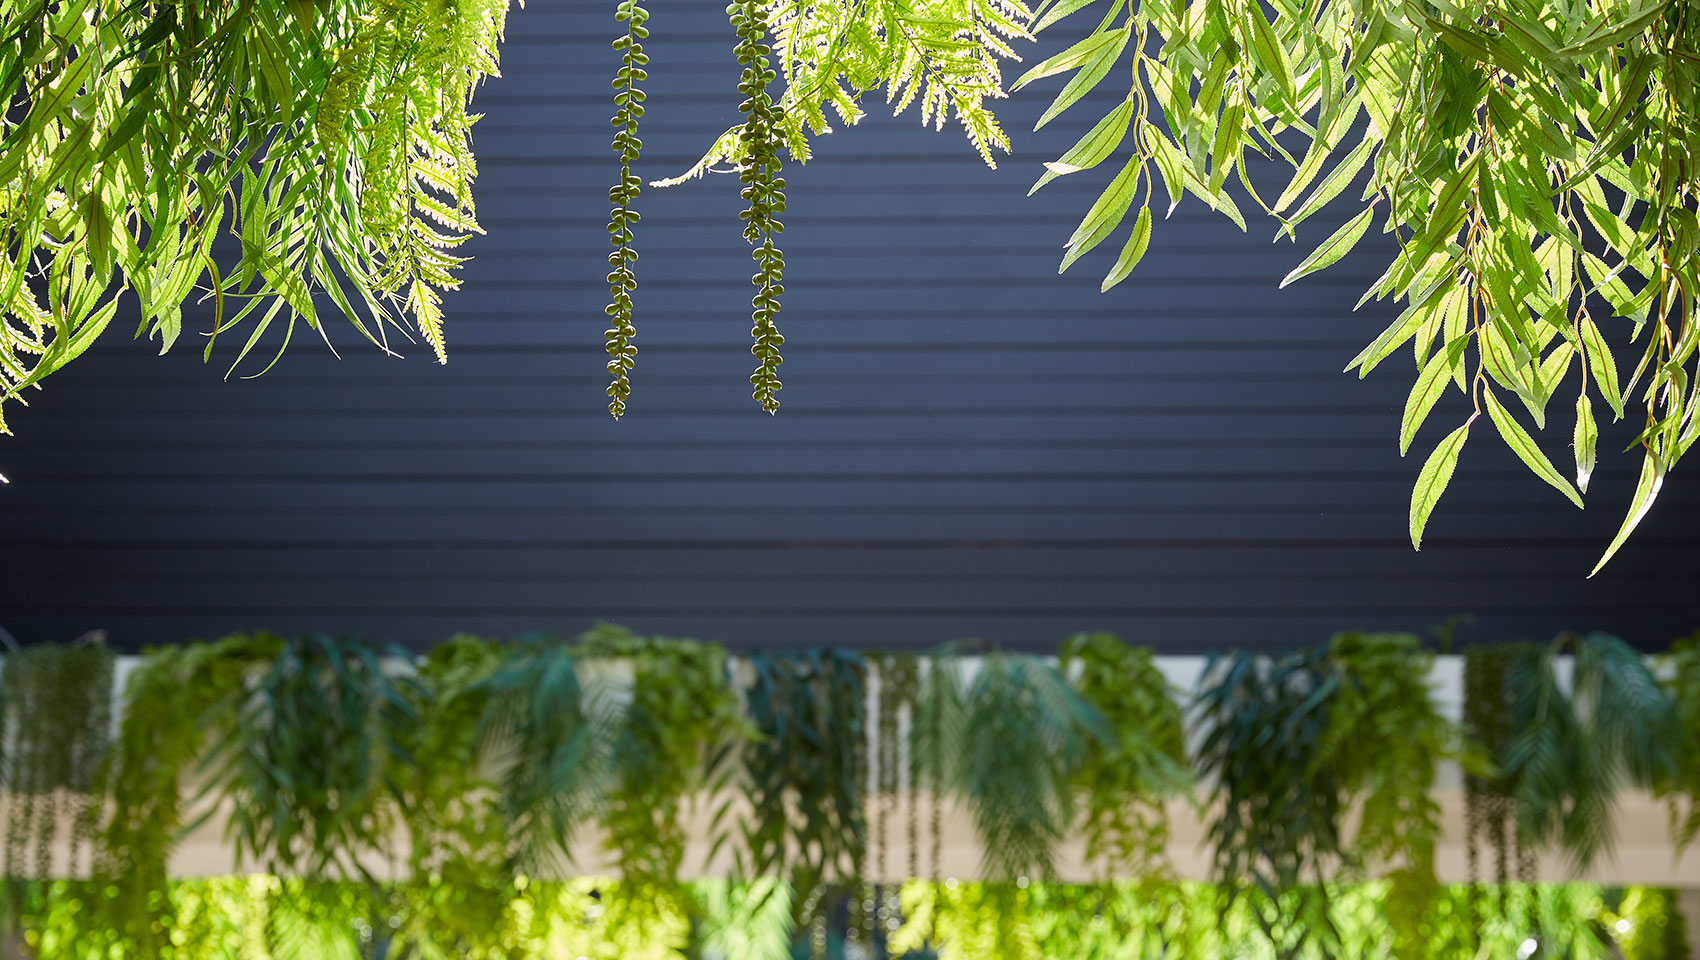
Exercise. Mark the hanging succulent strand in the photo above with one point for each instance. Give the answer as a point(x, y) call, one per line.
point(760, 138)
point(622, 280)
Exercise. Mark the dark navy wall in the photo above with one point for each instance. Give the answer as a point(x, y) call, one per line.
point(970, 445)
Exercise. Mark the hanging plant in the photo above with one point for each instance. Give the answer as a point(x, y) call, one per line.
point(669, 744)
point(899, 685)
point(304, 763)
point(1683, 789)
point(1489, 807)
point(458, 896)
point(173, 702)
point(547, 738)
point(57, 713)
point(1276, 825)
point(1567, 756)
point(805, 774)
point(1129, 777)
point(1008, 747)
point(1385, 740)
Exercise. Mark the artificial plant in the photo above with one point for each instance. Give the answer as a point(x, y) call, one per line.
point(804, 776)
point(897, 682)
point(1532, 162)
point(1295, 742)
point(329, 139)
point(1683, 789)
point(174, 702)
point(1385, 740)
point(1129, 777)
point(670, 747)
point(1009, 742)
point(1569, 754)
point(458, 885)
point(545, 735)
point(305, 761)
point(1489, 798)
point(55, 723)
point(1650, 925)
point(1276, 829)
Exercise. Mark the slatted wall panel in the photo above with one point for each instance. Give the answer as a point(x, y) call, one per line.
point(971, 446)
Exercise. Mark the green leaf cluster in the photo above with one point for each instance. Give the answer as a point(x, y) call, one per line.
point(1564, 751)
point(329, 138)
point(1008, 744)
point(1128, 778)
point(55, 718)
point(1316, 769)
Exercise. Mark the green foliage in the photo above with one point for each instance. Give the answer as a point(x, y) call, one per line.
point(546, 737)
point(329, 138)
point(457, 841)
point(1569, 755)
point(1489, 810)
point(1276, 831)
point(942, 55)
point(1683, 663)
point(1009, 747)
point(622, 280)
point(305, 761)
point(764, 190)
point(175, 701)
point(1128, 778)
point(681, 723)
point(1531, 160)
point(805, 774)
point(1385, 740)
point(1297, 742)
point(56, 701)
point(1650, 925)
point(1320, 766)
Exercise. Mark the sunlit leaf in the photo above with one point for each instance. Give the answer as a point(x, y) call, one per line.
point(1432, 481)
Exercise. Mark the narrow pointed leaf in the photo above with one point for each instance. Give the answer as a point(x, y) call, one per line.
point(1336, 246)
point(1431, 383)
point(1132, 252)
point(1587, 438)
point(1525, 447)
point(1432, 481)
point(1646, 491)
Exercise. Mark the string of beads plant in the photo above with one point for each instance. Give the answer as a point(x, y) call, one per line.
point(622, 280)
point(764, 190)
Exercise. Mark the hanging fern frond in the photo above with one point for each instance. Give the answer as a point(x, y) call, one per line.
point(945, 56)
point(1569, 755)
point(330, 140)
point(547, 736)
point(681, 720)
point(1007, 748)
point(1385, 741)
